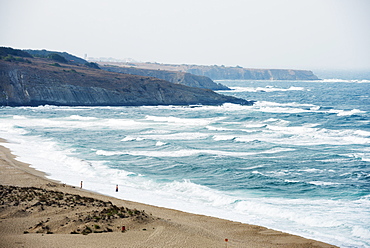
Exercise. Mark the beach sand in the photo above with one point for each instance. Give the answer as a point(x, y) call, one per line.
point(39, 212)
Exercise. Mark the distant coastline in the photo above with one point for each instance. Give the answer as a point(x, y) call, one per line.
point(216, 72)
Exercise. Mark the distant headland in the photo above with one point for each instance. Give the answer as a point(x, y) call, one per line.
point(34, 77)
point(214, 72)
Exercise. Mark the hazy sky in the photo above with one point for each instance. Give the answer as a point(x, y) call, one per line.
point(297, 34)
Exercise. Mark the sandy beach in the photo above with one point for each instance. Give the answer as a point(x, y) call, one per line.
point(38, 212)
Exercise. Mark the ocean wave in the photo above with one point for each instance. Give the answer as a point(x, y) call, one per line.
point(108, 153)
point(292, 107)
point(185, 121)
point(321, 183)
point(334, 80)
point(223, 137)
point(303, 136)
point(160, 143)
point(193, 152)
point(346, 112)
point(176, 136)
point(311, 135)
point(75, 122)
point(362, 156)
point(81, 118)
point(265, 89)
point(212, 128)
point(19, 117)
point(132, 138)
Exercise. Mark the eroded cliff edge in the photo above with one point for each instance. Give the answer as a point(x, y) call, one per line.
point(39, 81)
point(216, 72)
point(175, 77)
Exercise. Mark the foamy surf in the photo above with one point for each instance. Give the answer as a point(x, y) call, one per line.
point(296, 161)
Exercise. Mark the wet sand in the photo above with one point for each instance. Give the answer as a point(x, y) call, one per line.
point(38, 212)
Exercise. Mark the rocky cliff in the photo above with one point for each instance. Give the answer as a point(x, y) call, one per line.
point(171, 76)
point(40, 81)
point(224, 73)
point(239, 73)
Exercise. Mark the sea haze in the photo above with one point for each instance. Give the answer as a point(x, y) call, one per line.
point(297, 161)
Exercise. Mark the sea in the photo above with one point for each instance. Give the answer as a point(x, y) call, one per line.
point(297, 161)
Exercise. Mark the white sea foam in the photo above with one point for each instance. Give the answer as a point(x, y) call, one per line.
point(223, 137)
point(254, 125)
point(320, 183)
point(359, 155)
point(160, 143)
point(19, 117)
point(362, 133)
point(108, 153)
point(291, 181)
point(273, 107)
point(309, 135)
point(193, 152)
point(156, 131)
point(132, 138)
point(281, 132)
point(346, 112)
point(252, 167)
point(360, 232)
point(265, 89)
point(212, 128)
point(292, 107)
point(176, 136)
point(184, 121)
point(75, 122)
point(81, 118)
point(313, 170)
point(334, 80)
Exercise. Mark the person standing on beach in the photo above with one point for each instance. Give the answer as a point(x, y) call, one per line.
point(116, 187)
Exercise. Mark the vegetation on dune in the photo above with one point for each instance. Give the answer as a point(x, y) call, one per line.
point(90, 215)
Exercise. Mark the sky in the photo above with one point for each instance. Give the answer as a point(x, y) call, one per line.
point(281, 34)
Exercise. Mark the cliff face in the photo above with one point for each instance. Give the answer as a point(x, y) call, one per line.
point(171, 76)
point(233, 73)
point(39, 83)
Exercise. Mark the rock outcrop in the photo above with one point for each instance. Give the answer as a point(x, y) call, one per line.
point(171, 76)
point(40, 81)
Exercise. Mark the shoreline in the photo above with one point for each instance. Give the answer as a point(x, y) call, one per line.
point(167, 228)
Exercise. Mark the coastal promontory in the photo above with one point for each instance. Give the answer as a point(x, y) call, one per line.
point(176, 77)
point(29, 81)
point(216, 72)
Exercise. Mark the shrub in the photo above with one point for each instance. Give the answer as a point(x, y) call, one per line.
point(11, 58)
point(57, 57)
point(92, 65)
point(4, 51)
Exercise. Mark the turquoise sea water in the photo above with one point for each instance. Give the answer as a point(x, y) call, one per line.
point(297, 161)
